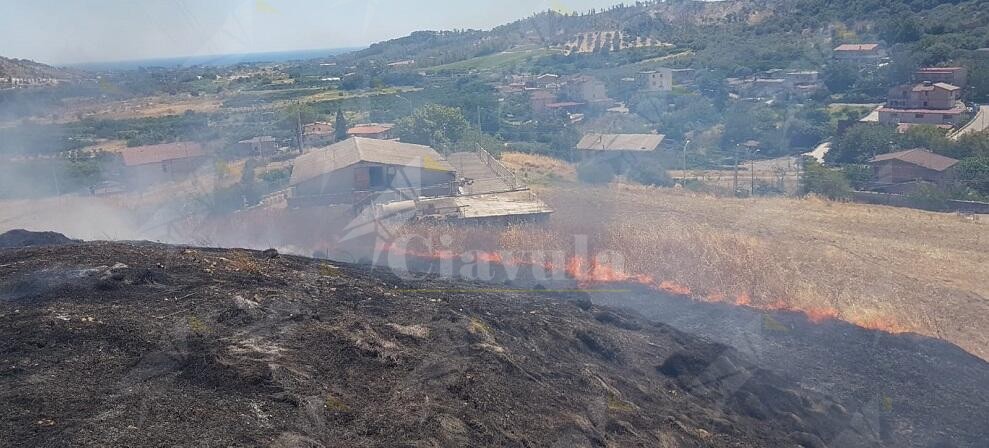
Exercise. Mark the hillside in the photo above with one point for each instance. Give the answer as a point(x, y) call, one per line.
point(758, 34)
point(27, 69)
point(141, 344)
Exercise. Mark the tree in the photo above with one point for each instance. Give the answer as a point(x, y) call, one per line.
point(432, 125)
point(822, 181)
point(862, 142)
point(340, 127)
point(974, 173)
point(840, 77)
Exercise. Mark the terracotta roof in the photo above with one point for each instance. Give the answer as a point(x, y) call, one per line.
point(620, 142)
point(946, 86)
point(143, 155)
point(856, 47)
point(369, 129)
point(358, 149)
point(919, 157)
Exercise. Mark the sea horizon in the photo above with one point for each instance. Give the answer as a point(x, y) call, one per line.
point(218, 60)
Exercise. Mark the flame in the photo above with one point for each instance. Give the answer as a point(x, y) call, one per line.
point(594, 272)
point(743, 299)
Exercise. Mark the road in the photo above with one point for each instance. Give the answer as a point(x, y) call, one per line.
point(978, 124)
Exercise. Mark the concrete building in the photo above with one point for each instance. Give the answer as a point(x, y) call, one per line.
point(359, 170)
point(586, 89)
point(956, 76)
point(870, 53)
point(539, 99)
point(264, 145)
point(924, 103)
point(151, 164)
point(664, 79)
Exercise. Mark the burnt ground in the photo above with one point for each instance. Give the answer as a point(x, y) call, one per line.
point(139, 344)
point(909, 390)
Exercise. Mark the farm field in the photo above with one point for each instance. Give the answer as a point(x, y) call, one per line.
point(901, 270)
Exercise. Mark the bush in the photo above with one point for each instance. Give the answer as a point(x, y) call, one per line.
point(651, 174)
point(930, 197)
point(822, 181)
point(595, 172)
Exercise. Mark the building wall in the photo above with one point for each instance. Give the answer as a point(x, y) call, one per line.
point(957, 77)
point(934, 118)
point(897, 171)
point(166, 171)
point(350, 184)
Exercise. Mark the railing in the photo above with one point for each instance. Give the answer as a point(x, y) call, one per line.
point(500, 170)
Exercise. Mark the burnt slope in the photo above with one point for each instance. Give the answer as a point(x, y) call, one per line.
point(139, 344)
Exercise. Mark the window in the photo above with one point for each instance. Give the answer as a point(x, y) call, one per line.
point(376, 174)
point(918, 116)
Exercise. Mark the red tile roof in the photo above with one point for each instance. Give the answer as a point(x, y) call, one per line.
point(143, 155)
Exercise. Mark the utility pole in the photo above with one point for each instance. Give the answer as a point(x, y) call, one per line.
point(298, 122)
point(684, 172)
point(734, 183)
point(751, 175)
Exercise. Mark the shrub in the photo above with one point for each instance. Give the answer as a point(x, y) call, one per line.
point(822, 181)
point(651, 174)
point(595, 172)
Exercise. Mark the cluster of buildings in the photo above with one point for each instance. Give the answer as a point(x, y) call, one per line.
point(549, 93)
point(777, 83)
point(10, 82)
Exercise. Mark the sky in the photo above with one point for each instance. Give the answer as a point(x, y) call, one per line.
point(72, 31)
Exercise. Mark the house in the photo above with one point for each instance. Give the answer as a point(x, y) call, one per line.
point(957, 76)
point(317, 127)
point(858, 53)
point(621, 151)
point(586, 89)
point(924, 103)
point(402, 63)
point(147, 165)
point(910, 167)
point(539, 99)
point(381, 131)
point(663, 79)
point(546, 80)
point(264, 145)
point(318, 133)
point(925, 95)
point(594, 142)
point(359, 170)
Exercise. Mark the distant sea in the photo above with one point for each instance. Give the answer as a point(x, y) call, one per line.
point(215, 60)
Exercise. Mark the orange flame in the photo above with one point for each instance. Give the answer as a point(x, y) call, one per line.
point(588, 274)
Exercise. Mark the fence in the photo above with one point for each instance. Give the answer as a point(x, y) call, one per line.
point(901, 200)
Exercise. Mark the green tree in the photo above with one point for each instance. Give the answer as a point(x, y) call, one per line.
point(340, 126)
point(840, 77)
point(862, 142)
point(822, 181)
point(434, 125)
point(974, 173)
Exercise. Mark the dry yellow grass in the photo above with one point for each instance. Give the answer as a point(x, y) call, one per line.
point(892, 268)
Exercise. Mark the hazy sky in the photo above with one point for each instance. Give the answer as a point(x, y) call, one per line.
point(69, 31)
